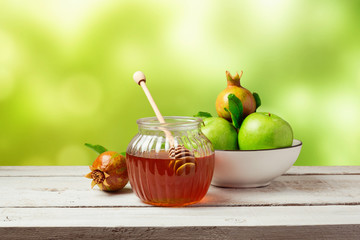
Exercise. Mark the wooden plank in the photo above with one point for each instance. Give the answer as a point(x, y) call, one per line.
point(338, 232)
point(79, 171)
point(309, 222)
point(324, 170)
point(180, 217)
point(57, 203)
point(284, 191)
point(43, 171)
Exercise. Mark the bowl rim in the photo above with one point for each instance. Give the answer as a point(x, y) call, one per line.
point(297, 144)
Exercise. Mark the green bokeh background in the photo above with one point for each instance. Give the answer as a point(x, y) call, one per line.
point(66, 71)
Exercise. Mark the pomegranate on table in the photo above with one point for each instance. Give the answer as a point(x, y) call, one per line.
point(109, 170)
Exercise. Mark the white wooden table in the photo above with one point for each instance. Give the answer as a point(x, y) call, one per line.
point(57, 203)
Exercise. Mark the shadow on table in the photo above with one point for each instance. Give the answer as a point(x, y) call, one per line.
point(283, 190)
point(125, 190)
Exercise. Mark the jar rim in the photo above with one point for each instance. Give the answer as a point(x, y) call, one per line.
point(172, 122)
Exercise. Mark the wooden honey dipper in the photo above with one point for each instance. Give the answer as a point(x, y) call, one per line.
point(184, 162)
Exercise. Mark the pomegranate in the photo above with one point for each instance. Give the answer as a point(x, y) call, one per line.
point(108, 171)
point(233, 86)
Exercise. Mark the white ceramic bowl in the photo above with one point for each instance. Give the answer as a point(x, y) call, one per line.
point(253, 168)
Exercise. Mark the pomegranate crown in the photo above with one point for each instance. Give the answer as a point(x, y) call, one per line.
point(233, 80)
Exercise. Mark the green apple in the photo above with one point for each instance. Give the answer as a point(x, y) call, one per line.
point(262, 130)
point(221, 133)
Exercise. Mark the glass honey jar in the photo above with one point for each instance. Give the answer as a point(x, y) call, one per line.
point(171, 163)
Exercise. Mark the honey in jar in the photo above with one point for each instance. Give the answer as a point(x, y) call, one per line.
point(161, 178)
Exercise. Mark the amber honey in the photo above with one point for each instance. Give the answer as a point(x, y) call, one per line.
point(163, 181)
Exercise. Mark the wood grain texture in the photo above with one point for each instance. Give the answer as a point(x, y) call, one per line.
point(338, 232)
point(285, 190)
point(180, 217)
point(324, 170)
point(57, 203)
point(43, 171)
